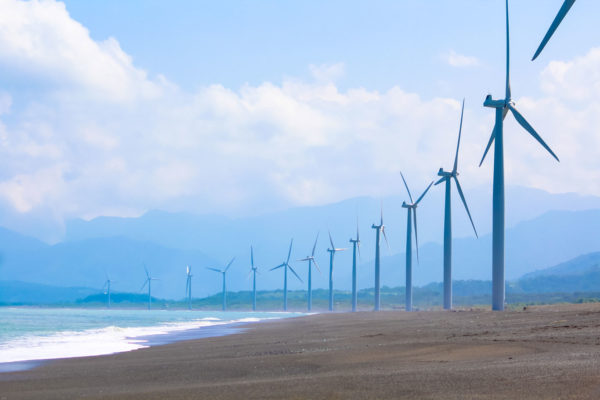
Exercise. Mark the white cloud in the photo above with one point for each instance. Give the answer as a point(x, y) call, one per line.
point(455, 59)
point(578, 79)
point(40, 38)
point(327, 72)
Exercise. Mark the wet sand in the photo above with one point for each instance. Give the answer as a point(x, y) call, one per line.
point(550, 352)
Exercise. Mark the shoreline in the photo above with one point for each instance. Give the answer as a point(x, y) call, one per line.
point(150, 340)
point(538, 353)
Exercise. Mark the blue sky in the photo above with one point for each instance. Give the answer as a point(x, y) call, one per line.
point(117, 107)
point(381, 43)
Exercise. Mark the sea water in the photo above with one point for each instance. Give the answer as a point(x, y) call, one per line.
point(28, 334)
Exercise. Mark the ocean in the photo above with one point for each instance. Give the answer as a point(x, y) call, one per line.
point(29, 334)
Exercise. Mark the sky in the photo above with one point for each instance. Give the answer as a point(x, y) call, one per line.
point(245, 107)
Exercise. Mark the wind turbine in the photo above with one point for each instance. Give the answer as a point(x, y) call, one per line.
point(502, 106)
point(331, 252)
point(412, 212)
point(188, 285)
point(447, 176)
point(106, 286)
point(223, 272)
point(379, 229)
point(311, 260)
point(253, 271)
point(148, 282)
point(355, 247)
point(559, 17)
point(286, 265)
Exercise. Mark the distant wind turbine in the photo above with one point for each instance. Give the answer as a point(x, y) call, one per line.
point(502, 106)
point(411, 209)
point(311, 260)
point(379, 229)
point(223, 272)
point(253, 271)
point(286, 265)
point(188, 285)
point(447, 176)
point(148, 282)
point(106, 289)
point(355, 248)
point(559, 17)
point(331, 252)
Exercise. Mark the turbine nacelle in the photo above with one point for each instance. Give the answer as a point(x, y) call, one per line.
point(489, 102)
point(447, 174)
point(407, 205)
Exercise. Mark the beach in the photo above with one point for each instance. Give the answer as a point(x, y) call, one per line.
point(545, 352)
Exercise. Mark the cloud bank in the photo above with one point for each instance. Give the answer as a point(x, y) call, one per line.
point(102, 137)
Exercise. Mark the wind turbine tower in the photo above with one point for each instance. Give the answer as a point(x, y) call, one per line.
point(411, 209)
point(379, 229)
point(106, 289)
point(286, 265)
point(148, 282)
point(253, 271)
point(331, 252)
point(311, 260)
point(502, 106)
point(188, 285)
point(447, 176)
point(355, 248)
point(223, 272)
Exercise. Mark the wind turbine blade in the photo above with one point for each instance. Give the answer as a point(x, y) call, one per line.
point(508, 93)
point(147, 273)
point(290, 251)
point(305, 259)
point(229, 264)
point(251, 256)
point(416, 232)
point(462, 196)
point(279, 266)
point(358, 249)
point(504, 112)
point(331, 241)
point(385, 237)
point(316, 265)
point(250, 274)
point(357, 232)
point(459, 133)
point(557, 20)
point(341, 249)
point(381, 208)
point(144, 285)
point(187, 285)
point(405, 185)
point(424, 193)
point(214, 269)
point(487, 148)
point(294, 272)
point(442, 179)
point(315, 245)
point(521, 120)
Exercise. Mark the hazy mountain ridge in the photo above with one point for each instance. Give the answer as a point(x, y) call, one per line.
point(167, 242)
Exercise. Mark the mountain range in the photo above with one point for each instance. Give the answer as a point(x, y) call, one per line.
point(544, 230)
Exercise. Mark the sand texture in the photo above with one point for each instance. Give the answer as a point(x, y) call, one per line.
point(550, 352)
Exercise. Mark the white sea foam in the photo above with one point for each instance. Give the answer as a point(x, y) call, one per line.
point(94, 342)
